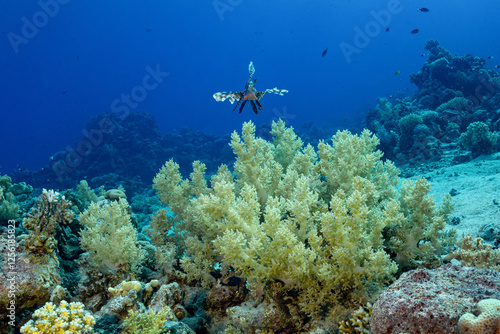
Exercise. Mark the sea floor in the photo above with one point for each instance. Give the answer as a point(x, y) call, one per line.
point(475, 189)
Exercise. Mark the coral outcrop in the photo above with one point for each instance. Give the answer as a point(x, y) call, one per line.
point(479, 139)
point(127, 150)
point(454, 93)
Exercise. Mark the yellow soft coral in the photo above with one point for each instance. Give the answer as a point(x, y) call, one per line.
point(311, 220)
point(110, 238)
point(474, 252)
point(65, 319)
point(149, 322)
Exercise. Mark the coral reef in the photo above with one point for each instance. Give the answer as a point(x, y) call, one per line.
point(453, 93)
point(311, 221)
point(445, 76)
point(432, 301)
point(110, 238)
point(130, 152)
point(63, 319)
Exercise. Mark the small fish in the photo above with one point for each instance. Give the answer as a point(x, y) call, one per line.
point(497, 66)
point(387, 29)
point(422, 55)
point(415, 31)
point(232, 281)
point(423, 9)
point(324, 52)
point(397, 72)
point(490, 57)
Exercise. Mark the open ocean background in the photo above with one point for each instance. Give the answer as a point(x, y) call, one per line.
point(82, 56)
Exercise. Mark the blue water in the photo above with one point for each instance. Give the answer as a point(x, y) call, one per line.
point(59, 70)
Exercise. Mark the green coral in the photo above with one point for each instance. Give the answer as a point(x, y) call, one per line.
point(313, 220)
point(478, 138)
point(149, 322)
point(457, 103)
point(452, 126)
point(409, 122)
point(8, 208)
point(110, 238)
point(431, 43)
point(385, 109)
point(429, 116)
point(86, 193)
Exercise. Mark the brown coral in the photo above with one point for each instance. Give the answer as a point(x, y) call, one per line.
point(51, 210)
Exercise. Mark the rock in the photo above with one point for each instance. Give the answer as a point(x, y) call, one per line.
point(432, 301)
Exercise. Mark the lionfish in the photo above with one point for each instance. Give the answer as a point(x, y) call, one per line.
point(249, 94)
